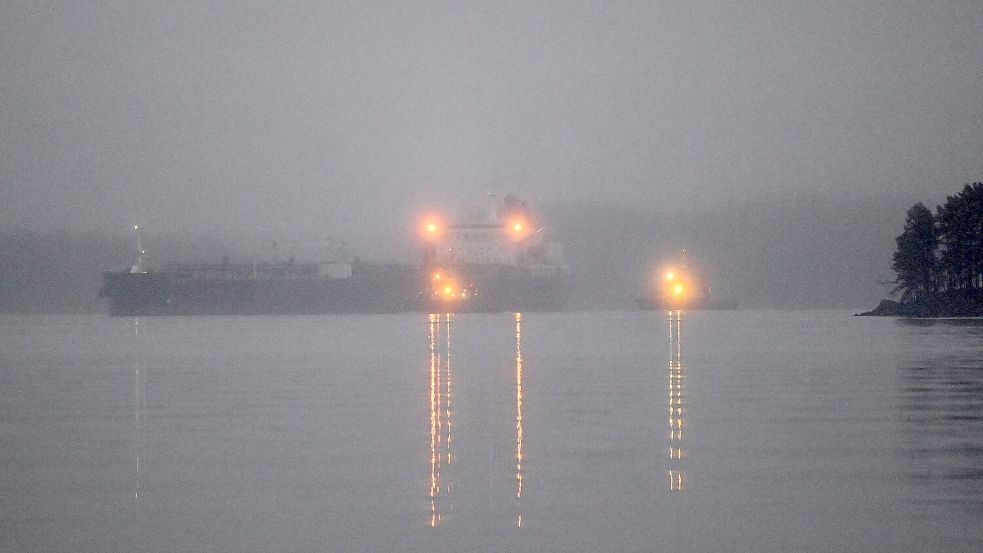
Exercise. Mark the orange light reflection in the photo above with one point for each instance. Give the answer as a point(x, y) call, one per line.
point(440, 415)
point(676, 452)
point(434, 413)
point(518, 415)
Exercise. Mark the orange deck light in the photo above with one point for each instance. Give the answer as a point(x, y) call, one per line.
point(517, 228)
point(431, 227)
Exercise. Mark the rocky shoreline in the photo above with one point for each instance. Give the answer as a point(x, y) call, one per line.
point(959, 303)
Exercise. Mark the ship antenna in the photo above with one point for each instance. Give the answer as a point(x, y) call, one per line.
point(138, 268)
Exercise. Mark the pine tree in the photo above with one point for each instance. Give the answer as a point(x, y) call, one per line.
point(915, 261)
point(960, 226)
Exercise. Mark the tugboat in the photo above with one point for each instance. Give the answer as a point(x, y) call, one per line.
point(677, 287)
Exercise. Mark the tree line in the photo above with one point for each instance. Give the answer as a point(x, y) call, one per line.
point(940, 255)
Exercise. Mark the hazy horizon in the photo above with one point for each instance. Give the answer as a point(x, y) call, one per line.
point(321, 120)
point(251, 122)
point(772, 252)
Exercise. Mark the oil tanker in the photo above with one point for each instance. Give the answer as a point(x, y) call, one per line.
point(500, 261)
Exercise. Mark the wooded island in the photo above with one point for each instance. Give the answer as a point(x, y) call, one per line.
point(939, 260)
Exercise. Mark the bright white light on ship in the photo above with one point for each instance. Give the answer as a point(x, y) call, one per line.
point(670, 275)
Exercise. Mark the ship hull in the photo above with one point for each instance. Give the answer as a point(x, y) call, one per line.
point(378, 289)
point(506, 290)
point(164, 293)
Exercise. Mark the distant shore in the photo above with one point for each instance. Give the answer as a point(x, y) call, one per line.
point(957, 303)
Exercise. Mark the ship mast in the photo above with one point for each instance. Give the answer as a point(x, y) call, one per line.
point(138, 268)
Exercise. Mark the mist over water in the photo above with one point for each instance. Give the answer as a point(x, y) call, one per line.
point(778, 145)
point(772, 431)
point(797, 251)
point(781, 146)
point(345, 120)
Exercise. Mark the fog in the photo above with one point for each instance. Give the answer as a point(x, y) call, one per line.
point(780, 144)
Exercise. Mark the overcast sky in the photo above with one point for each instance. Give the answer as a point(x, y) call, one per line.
point(343, 119)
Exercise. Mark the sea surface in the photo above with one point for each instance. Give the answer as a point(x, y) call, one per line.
point(612, 431)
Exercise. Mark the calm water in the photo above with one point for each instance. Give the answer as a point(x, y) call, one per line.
point(737, 431)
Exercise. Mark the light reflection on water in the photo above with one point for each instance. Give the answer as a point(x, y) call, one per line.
point(139, 402)
point(441, 421)
point(942, 406)
point(677, 476)
point(942, 409)
point(441, 425)
point(435, 424)
point(518, 417)
point(523, 432)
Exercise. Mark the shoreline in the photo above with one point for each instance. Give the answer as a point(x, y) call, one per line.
point(961, 304)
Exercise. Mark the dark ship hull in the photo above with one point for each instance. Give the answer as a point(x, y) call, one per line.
point(370, 289)
point(499, 288)
point(379, 289)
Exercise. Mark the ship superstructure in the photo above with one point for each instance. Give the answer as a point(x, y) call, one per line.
point(502, 261)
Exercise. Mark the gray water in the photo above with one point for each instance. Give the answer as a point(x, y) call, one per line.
point(621, 431)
